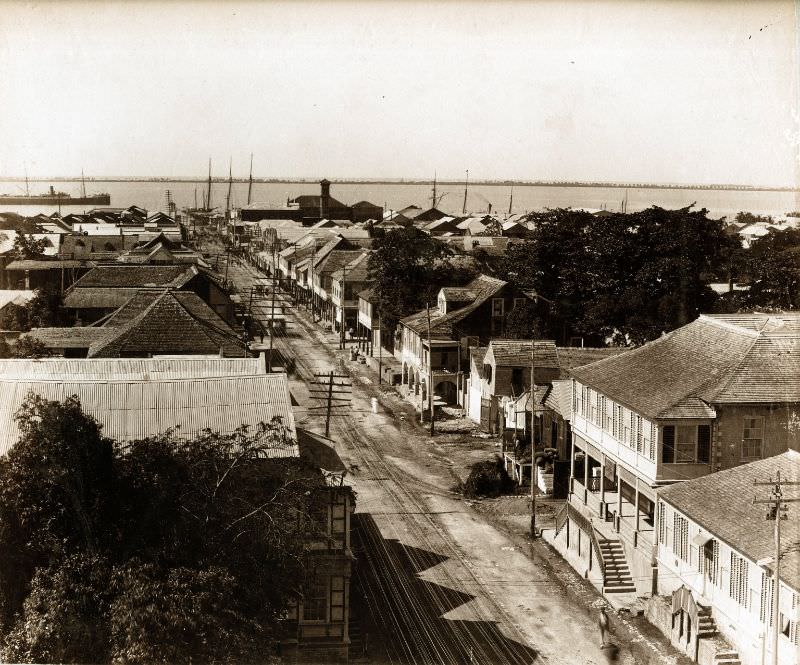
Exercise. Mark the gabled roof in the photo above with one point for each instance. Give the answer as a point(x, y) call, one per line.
point(15, 297)
point(739, 358)
point(335, 260)
point(98, 298)
point(315, 201)
point(366, 204)
point(517, 353)
point(458, 293)
point(356, 270)
point(137, 276)
point(368, 295)
point(166, 323)
point(722, 504)
point(570, 357)
point(559, 398)
point(477, 355)
point(79, 337)
point(442, 324)
point(130, 409)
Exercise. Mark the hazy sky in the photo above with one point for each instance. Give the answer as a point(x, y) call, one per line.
point(656, 91)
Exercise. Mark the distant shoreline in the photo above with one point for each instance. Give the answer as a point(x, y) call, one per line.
point(403, 181)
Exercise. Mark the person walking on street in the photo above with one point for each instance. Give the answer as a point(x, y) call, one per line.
point(603, 623)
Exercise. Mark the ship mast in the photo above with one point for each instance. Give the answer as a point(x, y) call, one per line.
point(83, 186)
point(27, 186)
point(250, 182)
point(466, 185)
point(511, 198)
point(433, 197)
point(208, 193)
point(230, 185)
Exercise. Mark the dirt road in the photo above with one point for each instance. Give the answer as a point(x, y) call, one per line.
point(440, 582)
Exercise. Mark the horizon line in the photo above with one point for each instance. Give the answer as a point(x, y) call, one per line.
point(407, 181)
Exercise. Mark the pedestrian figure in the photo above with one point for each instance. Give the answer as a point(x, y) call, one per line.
point(602, 622)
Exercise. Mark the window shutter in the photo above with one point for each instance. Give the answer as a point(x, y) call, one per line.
point(668, 444)
point(704, 443)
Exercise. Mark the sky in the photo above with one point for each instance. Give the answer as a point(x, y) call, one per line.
point(653, 91)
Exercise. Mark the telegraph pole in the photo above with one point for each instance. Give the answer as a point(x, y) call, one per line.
point(272, 311)
point(533, 438)
point(342, 301)
point(777, 511)
point(430, 365)
point(331, 394)
point(380, 346)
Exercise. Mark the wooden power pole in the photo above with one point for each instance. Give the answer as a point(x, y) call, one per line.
point(430, 365)
point(329, 392)
point(534, 474)
point(777, 511)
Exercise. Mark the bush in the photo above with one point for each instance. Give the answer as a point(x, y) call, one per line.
point(487, 479)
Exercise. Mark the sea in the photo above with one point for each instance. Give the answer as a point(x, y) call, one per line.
point(151, 195)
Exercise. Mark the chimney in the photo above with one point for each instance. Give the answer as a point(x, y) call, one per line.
point(325, 199)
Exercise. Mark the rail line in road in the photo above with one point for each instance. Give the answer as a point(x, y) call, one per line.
point(413, 606)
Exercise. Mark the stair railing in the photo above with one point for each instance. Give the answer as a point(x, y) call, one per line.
point(561, 518)
point(601, 564)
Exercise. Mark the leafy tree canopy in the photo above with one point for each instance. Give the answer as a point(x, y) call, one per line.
point(408, 268)
point(28, 247)
point(624, 276)
point(773, 266)
point(162, 551)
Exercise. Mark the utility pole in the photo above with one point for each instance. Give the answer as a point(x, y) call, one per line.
point(328, 394)
point(342, 301)
point(430, 365)
point(272, 313)
point(380, 347)
point(777, 511)
point(533, 439)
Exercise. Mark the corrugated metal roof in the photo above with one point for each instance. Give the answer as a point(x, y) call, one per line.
point(132, 409)
point(129, 369)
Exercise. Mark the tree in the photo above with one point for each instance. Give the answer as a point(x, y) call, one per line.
point(773, 265)
point(629, 277)
point(41, 311)
point(28, 247)
point(524, 322)
point(407, 268)
point(165, 550)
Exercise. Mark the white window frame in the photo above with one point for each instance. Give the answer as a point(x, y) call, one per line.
point(495, 307)
point(680, 537)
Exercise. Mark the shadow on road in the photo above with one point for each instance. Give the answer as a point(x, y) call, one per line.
point(403, 614)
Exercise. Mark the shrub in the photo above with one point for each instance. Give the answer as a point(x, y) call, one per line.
point(488, 479)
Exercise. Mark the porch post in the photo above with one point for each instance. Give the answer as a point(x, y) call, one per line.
point(619, 501)
point(603, 485)
point(571, 471)
point(585, 476)
point(636, 502)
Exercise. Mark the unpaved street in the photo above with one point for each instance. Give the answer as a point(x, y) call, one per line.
point(444, 585)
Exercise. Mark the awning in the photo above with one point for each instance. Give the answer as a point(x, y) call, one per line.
point(701, 539)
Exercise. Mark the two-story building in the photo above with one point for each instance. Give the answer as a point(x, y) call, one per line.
point(346, 284)
point(436, 341)
point(716, 393)
point(716, 566)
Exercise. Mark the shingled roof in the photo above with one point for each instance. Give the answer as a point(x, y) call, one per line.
point(722, 504)
point(357, 269)
point(137, 276)
point(517, 352)
point(739, 359)
point(167, 323)
point(442, 324)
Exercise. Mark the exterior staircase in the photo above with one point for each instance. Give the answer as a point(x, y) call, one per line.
point(706, 627)
point(616, 574)
point(727, 658)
